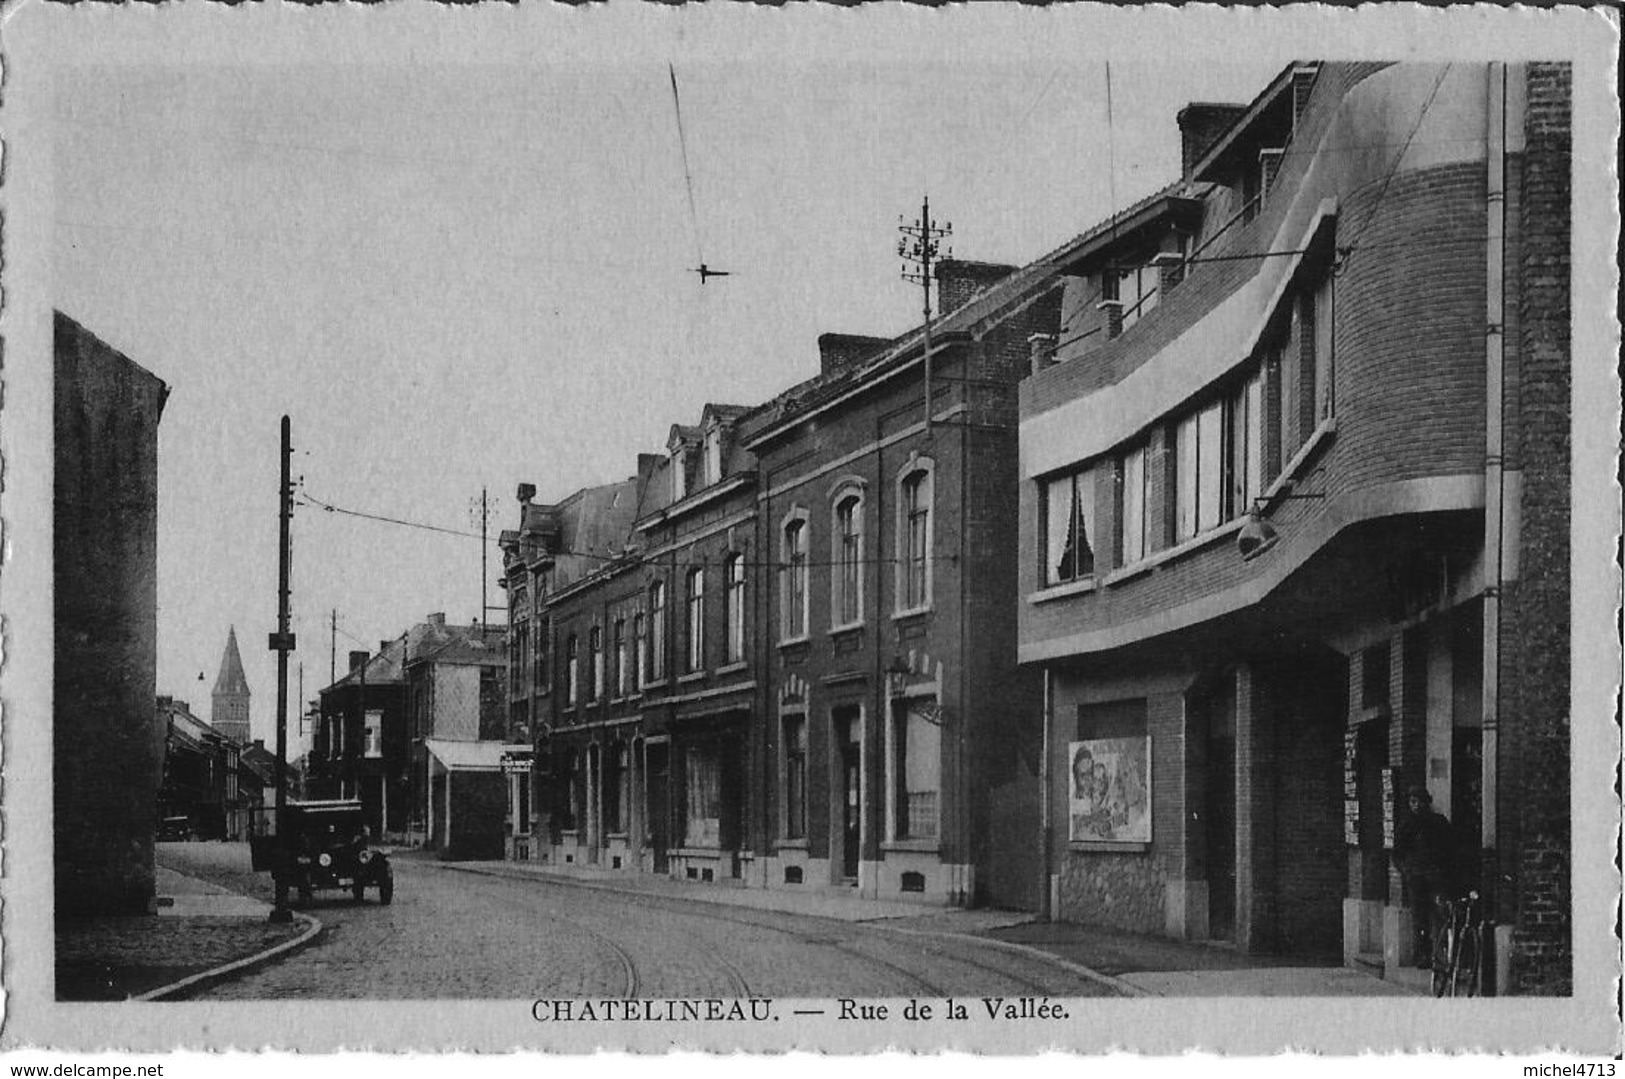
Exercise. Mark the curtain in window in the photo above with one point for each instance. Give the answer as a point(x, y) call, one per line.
point(1069, 509)
point(1133, 513)
point(921, 758)
point(1209, 465)
point(704, 815)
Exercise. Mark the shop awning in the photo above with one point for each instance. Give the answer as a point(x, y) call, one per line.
point(473, 756)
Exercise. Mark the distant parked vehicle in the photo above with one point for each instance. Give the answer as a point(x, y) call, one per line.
point(174, 829)
point(327, 845)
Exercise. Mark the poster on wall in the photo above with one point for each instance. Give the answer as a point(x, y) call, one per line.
point(1110, 790)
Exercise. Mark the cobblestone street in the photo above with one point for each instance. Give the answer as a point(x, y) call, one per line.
point(455, 934)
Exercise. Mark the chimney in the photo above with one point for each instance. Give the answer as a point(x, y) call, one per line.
point(839, 351)
point(357, 659)
point(1200, 125)
point(959, 279)
point(527, 492)
point(382, 645)
point(438, 618)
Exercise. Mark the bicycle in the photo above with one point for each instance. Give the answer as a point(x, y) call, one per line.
point(1458, 946)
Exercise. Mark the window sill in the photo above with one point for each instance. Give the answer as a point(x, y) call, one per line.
point(846, 628)
point(691, 677)
point(733, 668)
point(1102, 847)
point(658, 683)
point(912, 612)
point(697, 852)
point(912, 846)
point(790, 844)
point(1177, 551)
point(792, 642)
point(1317, 441)
point(1061, 591)
point(616, 835)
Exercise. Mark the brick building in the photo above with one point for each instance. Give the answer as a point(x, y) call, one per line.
point(360, 748)
point(1294, 510)
point(107, 742)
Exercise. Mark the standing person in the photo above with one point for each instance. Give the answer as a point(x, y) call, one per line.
point(1425, 850)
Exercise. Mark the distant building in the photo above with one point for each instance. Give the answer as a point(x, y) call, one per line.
point(107, 742)
point(360, 745)
point(200, 775)
point(229, 713)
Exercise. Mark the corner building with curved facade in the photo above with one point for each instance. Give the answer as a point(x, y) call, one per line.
point(1294, 508)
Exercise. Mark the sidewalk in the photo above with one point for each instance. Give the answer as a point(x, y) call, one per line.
point(1152, 966)
point(200, 931)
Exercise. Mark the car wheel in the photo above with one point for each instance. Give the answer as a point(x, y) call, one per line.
point(386, 889)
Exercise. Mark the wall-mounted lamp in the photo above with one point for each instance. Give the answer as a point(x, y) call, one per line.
point(1258, 534)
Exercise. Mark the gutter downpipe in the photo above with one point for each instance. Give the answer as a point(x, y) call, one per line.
point(1494, 497)
point(1045, 813)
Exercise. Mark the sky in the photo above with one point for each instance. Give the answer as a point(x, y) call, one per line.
point(458, 276)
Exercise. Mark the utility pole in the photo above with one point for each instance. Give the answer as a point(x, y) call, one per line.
point(282, 642)
point(333, 648)
point(918, 246)
point(484, 515)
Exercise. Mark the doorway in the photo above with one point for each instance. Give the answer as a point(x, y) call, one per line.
point(1217, 713)
point(848, 731)
point(657, 776)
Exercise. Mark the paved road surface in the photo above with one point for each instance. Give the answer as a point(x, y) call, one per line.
point(453, 934)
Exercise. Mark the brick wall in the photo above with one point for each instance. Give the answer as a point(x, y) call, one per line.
point(1534, 708)
point(107, 737)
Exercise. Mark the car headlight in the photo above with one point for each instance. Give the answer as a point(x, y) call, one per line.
point(366, 856)
point(325, 860)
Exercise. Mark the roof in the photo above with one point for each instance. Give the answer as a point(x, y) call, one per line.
point(231, 681)
point(458, 644)
point(472, 756)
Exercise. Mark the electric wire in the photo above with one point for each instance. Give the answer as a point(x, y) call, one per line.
point(688, 175)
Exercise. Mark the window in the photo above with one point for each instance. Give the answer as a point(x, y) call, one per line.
point(1245, 420)
point(1198, 471)
point(639, 628)
point(595, 660)
point(734, 578)
point(1135, 288)
point(1131, 517)
point(572, 669)
point(848, 600)
point(657, 630)
point(794, 575)
point(617, 788)
point(543, 641)
point(703, 816)
point(521, 817)
point(713, 455)
point(914, 572)
point(1325, 403)
point(679, 481)
point(1069, 519)
point(795, 777)
point(373, 735)
point(696, 619)
point(618, 658)
point(916, 764)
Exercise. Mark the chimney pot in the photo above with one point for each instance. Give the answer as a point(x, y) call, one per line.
point(438, 618)
point(1201, 123)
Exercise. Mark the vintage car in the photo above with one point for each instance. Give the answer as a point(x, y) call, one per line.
point(174, 829)
point(325, 845)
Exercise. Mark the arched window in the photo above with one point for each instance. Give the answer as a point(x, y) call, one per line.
point(619, 674)
point(914, 538)
point(572, 669)
point(734, 582)
point(847, 578)
point(793, 570)
point(595, 668)
point(696, 620)
point(657, 630)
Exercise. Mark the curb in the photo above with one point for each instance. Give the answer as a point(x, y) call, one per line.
point(1115, 984)
point(313, 928)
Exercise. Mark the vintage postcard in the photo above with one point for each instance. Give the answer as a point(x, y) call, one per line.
point(982, 529)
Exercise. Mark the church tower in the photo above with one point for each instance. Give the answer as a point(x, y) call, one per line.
point(230, 713)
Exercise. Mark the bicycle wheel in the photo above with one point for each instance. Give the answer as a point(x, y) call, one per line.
point(1468, 974)
point(1443, 945)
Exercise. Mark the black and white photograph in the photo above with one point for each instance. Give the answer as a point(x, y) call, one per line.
point(735, 527)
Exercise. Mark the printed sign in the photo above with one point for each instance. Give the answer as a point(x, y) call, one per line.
point(1387, 809)
point(1110, 790)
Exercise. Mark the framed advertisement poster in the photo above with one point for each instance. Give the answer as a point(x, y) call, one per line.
point(1110, 800)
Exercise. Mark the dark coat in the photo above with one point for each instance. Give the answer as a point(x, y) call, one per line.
point(1425, 846)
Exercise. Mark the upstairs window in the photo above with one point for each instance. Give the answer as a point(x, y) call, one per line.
point(679, 480)
point(734, 585)
point(1131, 515)
point(572, 669)
point(595, 659)
point(1068, 509)
point(639, 630)
point(1135, 287)
point(713, 455)
point(618, 658)
point(1325, 400)
point(657, 630)
point(914, 541)
point(1219, 460)
point(372, 734)
point(848, 577)
point(696, 620)
point(793, 570)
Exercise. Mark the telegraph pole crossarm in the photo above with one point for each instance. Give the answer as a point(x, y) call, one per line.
point(920, 245)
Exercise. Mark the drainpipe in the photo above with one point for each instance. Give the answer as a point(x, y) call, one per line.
point(1046, 823)
point(1494, 443)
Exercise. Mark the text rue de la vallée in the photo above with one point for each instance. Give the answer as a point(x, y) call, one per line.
point(757, 1010)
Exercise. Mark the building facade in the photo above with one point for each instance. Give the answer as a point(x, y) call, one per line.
point(107, 741)
point(200, 777)
point(360, 747)
point(1293, 508)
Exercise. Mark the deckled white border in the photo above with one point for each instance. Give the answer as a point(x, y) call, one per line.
point(39, 35)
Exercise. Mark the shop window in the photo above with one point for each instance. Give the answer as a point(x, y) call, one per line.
point(734, 586)
point(696, 620)
point(1067, 505)
point(793, 569)
point(703, 815)
point(915, 769)
point(795, 777)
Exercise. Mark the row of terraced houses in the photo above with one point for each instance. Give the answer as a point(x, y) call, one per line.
point(1222, 525)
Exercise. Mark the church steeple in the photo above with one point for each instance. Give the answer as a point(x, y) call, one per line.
point(229, 715)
